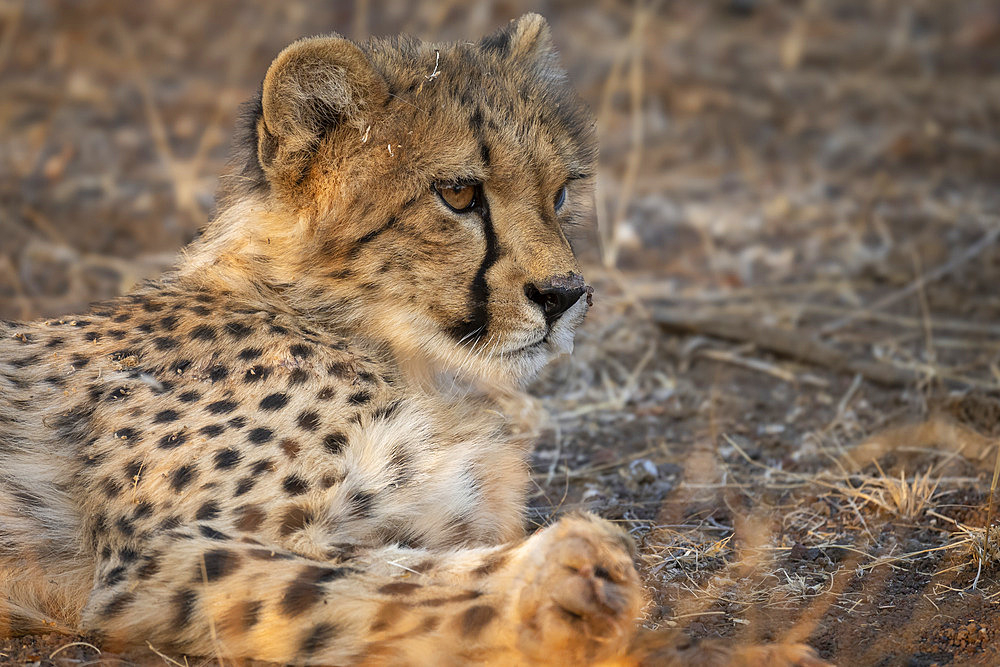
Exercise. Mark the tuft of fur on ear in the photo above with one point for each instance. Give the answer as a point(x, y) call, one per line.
point(315, 85)
point(526, 39)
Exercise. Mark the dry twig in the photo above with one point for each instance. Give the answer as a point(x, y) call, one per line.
point(797, 345)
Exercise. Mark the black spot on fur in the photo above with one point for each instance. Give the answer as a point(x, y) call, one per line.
point(218, 372)
point(399, 588)
point(305, 590)
point(490, 564)
point(212, 430)
point(359, 398)
point(340, 369)
point(207, 511)
point(143, 510)
point(183, 602)
point(332, 479)
point(325, 394)
point(386, 411)
point(317, 639)
point(308, 420)
point(259, 436)
point(221, 407)
point(238, 422)
point(361, 503)
point(211, 533)
point(269, 554)
point(294, 485)
point(475, 618)
point(334, 442)
point(170, 523)
point(117, 604)
point(274, 401)
point(127, 433)
point(294, 519)
point(259, 468)
point(249, 517)
point(250, 353)
point(245, 615)
point(238, 330)
point(189, 396)
point(74, 423)
point(218, 563)
point(256, 374)
point(115, 576)
point(203, 332)
point(125, 526)
point(127, 555)
point(172, 440)
point(297, 377)
point(244, 486)
point(301, 351)
point(476, 120)
point(371, 236)
point(180, 366)
point(226, 458)
point(166, 416)
point(132, 470)
point(183, 476)
point(149, 568)
point(165, 343)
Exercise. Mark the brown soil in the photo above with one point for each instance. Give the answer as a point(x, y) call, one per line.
point(826, 169)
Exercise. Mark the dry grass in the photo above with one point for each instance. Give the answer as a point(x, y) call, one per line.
point(899, 497)
point(807, 189)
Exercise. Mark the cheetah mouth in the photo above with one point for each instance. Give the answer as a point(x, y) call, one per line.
point(538, 343)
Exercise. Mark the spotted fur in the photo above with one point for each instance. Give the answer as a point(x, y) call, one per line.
point(297, 446)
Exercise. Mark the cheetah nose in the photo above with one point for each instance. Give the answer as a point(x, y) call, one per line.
point(556, 295)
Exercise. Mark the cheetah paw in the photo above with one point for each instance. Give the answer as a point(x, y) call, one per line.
point(576, 592)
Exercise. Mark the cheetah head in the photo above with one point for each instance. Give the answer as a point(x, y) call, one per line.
point(420, 194)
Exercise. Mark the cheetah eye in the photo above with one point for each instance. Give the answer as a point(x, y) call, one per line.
point(459, 198)
point(560, 197)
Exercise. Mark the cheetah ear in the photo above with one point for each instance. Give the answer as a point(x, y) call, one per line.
point(526, 39)
point(314, 85)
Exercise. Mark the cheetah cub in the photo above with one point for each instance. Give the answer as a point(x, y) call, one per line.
point(293, 447)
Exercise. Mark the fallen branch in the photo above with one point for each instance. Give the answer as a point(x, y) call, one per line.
point(797, 345)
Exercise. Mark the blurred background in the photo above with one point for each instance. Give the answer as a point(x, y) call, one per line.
point(788, 387)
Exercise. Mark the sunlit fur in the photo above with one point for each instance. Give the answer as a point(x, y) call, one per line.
point(306, 444)
point(340, 222)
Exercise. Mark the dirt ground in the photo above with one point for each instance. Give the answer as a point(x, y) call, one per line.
point(789, 388)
